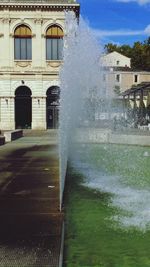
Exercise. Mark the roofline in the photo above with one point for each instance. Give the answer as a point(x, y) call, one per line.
point(139, 87)
point(129, 72)
point(41, 5)
point(117, 53)
point(36, 4)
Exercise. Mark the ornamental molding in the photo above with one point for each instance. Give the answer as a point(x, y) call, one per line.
point(12, 35)
point(6, 20)
point(48, 84)
point(23, 64)
point(53, 64)
point(47, 20)
point(38, 21)
point(13, 20)
point(49, 23)
point(17, 84)
point(12, 5)
point(17, 22)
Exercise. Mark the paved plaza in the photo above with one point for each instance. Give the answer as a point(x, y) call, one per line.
point(30, 221)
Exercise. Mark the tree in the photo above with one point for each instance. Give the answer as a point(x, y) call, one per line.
point(138, 56)
point(139, 53)
point(117, 89)
point(111, 48)
point(126, 50)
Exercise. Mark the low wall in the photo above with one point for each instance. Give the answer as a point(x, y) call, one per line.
point(2, 140)
point(106, 136)
point(91, 135)
point(12, 135)
point(131, 139)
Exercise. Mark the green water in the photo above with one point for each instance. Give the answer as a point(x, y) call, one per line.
point(93, 239)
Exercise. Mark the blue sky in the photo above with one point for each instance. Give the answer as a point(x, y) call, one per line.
point(118, 21)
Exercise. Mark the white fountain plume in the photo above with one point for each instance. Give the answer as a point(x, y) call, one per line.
point(79, 76)
point(82, 81)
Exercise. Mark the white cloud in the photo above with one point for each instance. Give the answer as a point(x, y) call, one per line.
point(140, 2)
point(147, 30)
point(99, 33)
point(121, 32)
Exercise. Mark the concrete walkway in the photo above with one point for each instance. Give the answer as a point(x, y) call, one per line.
point(30, 221)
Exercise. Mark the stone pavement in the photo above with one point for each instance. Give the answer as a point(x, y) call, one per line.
point(30, 220)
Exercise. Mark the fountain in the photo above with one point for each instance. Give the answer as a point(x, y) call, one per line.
point(81, 95)
point(79, 76)
point(109, 201)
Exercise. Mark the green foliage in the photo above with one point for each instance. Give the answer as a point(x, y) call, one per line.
point(117, 89)
point(139, 53)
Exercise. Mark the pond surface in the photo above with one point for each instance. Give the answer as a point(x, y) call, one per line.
point(108, 200)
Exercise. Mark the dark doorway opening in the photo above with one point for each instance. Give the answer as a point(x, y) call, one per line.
point(23, 107)
point(52, 107)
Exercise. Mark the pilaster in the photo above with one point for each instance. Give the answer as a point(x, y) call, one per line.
point(6, 42)
point(39, 113)
point(37, 44)
point(7, 118)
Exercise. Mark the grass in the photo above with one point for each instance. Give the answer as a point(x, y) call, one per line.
point(92, 238)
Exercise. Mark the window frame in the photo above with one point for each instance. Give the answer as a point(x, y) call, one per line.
point(116, 79)
point(54, 43)
point(24, 50)
point(136, 78)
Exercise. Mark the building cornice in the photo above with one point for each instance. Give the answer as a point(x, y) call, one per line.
point(40, 5)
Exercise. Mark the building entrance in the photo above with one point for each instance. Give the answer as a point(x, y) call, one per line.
point(52, 107)
point(23, 107)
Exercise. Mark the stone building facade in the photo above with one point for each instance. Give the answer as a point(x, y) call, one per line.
point(31, 44)
point(118, 81)
point(118, 75)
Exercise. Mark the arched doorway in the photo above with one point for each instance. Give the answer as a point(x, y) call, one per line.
point(23, 107)
point(52, 107)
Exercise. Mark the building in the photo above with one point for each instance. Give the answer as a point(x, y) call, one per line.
point(115, 59)
point(118, 81)
point(138, 99)
point(31, 45)
point(117, 75)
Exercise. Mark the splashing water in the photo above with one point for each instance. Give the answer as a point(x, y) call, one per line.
point(133, 201)
point(81, 74)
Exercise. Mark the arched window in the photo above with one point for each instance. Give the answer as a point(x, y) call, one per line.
point(54, 43)
point(23, 43)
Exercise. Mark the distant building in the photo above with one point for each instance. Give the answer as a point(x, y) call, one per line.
point(115, 82)
point(115, 59)
point(31, 44)
point(118, 76)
